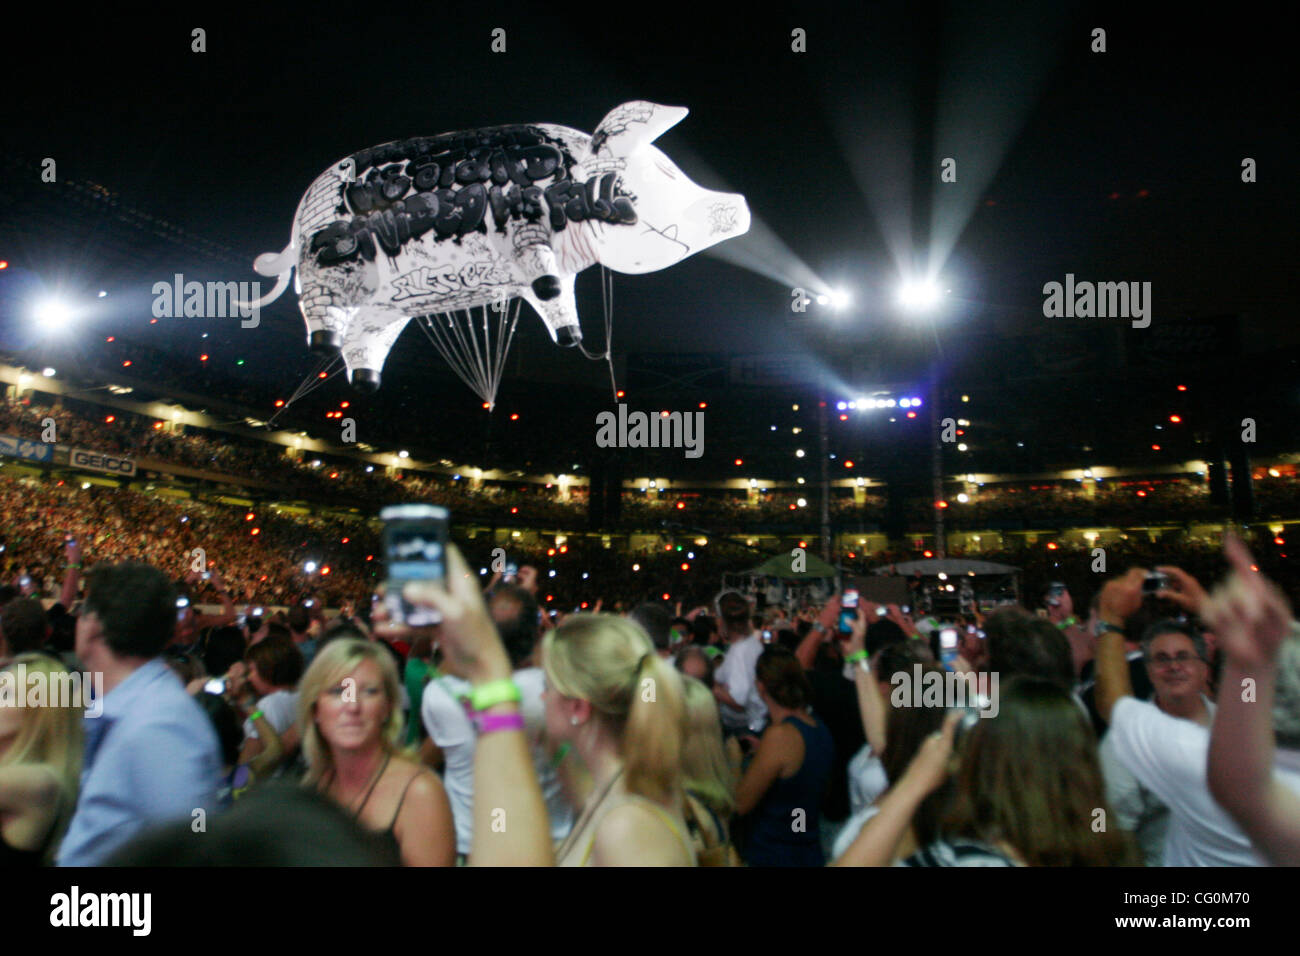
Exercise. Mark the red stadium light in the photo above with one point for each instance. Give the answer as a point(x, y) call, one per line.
point(1182, 388)
point(203, 357)
point(681, 505)
point(334, 474)
point(911, 414)
point(514, 511)
point(256, 531)
point(550, 552)
point(486, 405)
point(803, 544)
point(667, 595)
point(111, 338)
point(345, 404)
point(264, 577)
point(323, 375)
point(583, 604)
point(739, 461)
point(370, 557)
point(792, 507)
point(1051, 546)
point(927, 554)
point(704, 404)
point(852, 555)
point(1155, 447)
point(619, 393)
point(848, 464)
point(153, 321)
point(249, 516)
point(564, 549)
point(126, 364)
point(279, 403)
point(941, 504)
point(550, 598)
point(685, 566)
point(108, 420)
point(844, 418)
point(157, 425)
point(514, 417)
point(4, 264)
point(325, 570)
point(1142, 494)
point(346, 540)
point(1279, 540)
point(1175, 419)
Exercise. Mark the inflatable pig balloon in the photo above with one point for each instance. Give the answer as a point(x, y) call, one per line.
point(443, 223)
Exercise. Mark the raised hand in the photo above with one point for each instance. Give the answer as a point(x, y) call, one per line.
point(1249, 614)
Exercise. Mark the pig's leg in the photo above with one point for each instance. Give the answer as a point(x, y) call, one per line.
point(329, 296)
point(369, 339)
point(536, 261)
point(560, 313)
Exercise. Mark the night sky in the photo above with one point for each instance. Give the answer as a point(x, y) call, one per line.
point(1119, 166)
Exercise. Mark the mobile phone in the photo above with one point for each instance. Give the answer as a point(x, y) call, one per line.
point(948, 646)
point(215, 686)
point(207, 575)
point(767, 636)
point(906, 609)
point(182, 603)
point(882, 611)
point(848, 610)
point(256, 612)
point(415, 547)
point(1154, 582)
point(512, 572)
point(25, 581)
point(309, 603)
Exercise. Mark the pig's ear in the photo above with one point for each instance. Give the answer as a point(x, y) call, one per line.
point(632, 125)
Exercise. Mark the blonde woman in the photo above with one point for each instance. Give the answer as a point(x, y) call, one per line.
point(40, 763)
point(622, 709)
point(350, 711)
point(708, 772)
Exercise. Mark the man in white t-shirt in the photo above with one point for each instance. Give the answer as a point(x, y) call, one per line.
point(452, 739)
point(1167, 754)
point(735, 682)
point(1176, 664)
point(274, 667)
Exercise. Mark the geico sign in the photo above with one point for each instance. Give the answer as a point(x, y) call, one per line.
point(97, 462)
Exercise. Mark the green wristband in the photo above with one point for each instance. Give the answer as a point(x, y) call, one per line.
point(1070, 621)
point(493, 693)
point(256, 716)
point(855, 657)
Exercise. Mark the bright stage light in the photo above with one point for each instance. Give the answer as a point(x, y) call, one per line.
point(823, 300)
point(840, 300)
point(917, 295)
point(53, 315)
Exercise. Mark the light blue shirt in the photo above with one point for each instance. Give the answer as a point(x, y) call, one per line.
point(151, 757)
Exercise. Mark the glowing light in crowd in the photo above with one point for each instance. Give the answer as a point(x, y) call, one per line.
point(310, 567)
point(53, 315)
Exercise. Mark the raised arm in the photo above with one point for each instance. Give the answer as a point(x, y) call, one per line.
point(511, 827)
point(1252, 620)
point(1119, 599)
point(878, 842)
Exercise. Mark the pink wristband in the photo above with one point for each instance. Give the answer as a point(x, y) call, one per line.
point(488, 723)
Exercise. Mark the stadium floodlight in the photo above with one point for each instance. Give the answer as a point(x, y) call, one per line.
point(841, 405)
point(48, 372)
point(823, 299)
point(918, 295)
point(840, 299)
point(53, 315)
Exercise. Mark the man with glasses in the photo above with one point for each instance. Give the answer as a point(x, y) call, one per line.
point(1165, 744)
point(1174, 653)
